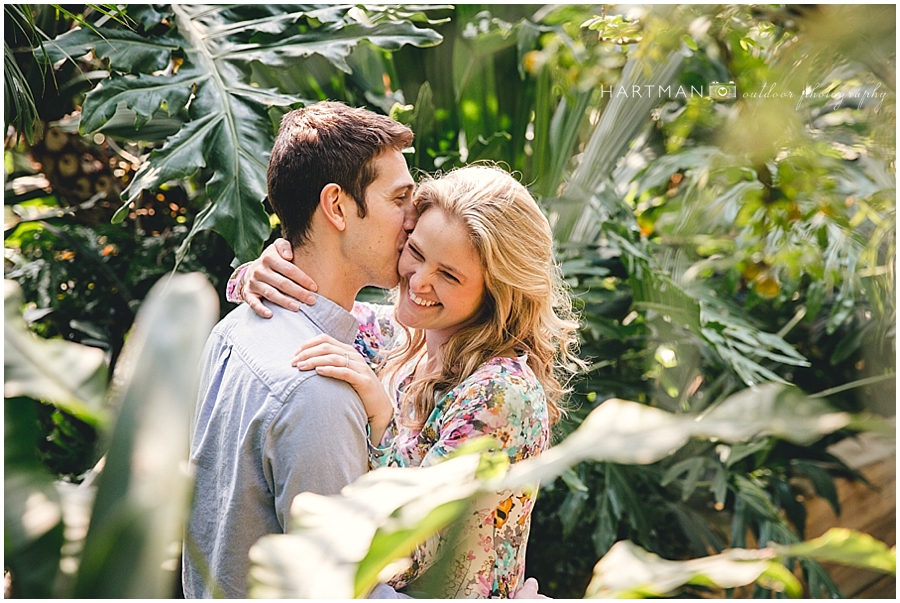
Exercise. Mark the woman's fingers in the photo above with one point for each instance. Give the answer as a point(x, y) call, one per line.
point(345, 367)
point(286, 278)
point(276, 279)
point(256, 304)
point(345, 354)
point(324, 344)
point(284, 248)
point(263, 290)
point(336, 372)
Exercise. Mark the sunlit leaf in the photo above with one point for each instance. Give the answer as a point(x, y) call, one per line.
point(330, 537)
point(630, 433)
point(628, 571)
point(135, 529)
point(847, 547)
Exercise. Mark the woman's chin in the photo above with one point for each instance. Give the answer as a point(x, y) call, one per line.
point(407, 317)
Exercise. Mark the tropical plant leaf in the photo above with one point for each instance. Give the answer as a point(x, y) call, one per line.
point(134, 530)
point(202, 68)
point(381, 511)
point(822, 483)
point(847, 547)
point(32, 515)
point(339, 545)
point(69, 375)
point(628, 571)
point(620, 123)
point(772, 409)
point(626, 432)
point(661, 170)
point(18, 100)
point(693, 467)
point(126, 50)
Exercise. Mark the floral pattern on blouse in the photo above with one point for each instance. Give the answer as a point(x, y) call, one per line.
point(502, 399)
point(376, 330)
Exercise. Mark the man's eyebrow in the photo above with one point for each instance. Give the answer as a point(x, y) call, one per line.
point(403, 187)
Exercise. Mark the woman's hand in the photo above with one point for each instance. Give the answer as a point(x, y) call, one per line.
point(272, 276)
point(529, 590)
point(331, 358)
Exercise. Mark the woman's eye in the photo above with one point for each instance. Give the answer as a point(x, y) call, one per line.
point(415, 252)
point(450, 277)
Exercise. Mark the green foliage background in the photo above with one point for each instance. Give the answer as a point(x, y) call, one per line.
point(711, 244)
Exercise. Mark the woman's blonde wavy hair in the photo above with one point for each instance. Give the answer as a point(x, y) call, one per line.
point(526, 306)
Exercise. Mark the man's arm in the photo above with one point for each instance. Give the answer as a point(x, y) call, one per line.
point(316, 443)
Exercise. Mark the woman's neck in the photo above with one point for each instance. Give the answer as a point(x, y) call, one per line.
point(434, 350)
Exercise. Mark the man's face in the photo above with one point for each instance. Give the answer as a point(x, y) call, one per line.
point(379, 238)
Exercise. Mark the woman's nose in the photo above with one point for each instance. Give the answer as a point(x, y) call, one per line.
point(419, 281)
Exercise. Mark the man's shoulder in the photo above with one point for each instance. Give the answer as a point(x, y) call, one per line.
point(266, 346)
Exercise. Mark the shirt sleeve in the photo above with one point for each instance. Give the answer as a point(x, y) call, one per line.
point(232, 288)
point(383, 591)
point(315, 443)
point(377, 330)
point(488, 559)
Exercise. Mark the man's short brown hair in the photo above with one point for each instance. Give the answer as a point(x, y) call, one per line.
point(324, 143)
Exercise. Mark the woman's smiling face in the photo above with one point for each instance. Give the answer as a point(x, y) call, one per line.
point(441, 278)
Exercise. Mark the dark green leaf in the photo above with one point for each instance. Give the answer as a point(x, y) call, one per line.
point(605, 533)
point(148, 15)
point(822, 482)
point(127, 51)
point(66, 374)
point(230, 131)
point(755, 497)
point(739, 452)
point(142, 94)
point(720, 485)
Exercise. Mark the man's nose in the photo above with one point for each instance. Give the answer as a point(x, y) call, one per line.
point(409, 220)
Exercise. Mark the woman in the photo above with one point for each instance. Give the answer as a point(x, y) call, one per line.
point(486, 332)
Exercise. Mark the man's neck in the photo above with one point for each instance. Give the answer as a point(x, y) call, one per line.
point(333, 277)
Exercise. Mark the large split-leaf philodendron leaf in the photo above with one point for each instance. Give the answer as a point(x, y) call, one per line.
point(201, 68)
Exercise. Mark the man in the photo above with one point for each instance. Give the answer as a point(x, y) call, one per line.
point(264, 432)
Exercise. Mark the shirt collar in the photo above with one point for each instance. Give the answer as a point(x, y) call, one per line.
point(332, 319)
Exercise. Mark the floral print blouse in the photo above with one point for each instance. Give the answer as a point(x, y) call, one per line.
point(503, 399)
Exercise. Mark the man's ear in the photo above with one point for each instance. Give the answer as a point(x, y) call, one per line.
point(334, 205)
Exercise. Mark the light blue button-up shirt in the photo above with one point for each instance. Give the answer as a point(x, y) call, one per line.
point(263, 433)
